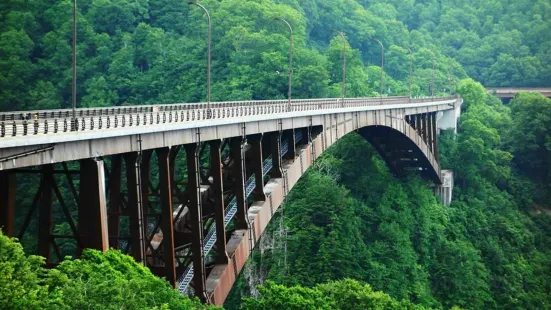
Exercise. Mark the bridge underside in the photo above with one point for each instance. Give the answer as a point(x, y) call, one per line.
point(196, 221)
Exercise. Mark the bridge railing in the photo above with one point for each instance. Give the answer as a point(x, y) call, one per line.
point(61, 121)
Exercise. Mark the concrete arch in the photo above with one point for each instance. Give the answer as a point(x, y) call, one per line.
point(402, 152)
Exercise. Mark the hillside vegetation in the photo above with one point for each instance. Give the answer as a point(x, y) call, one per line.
point(354, 235)
point(153, 51)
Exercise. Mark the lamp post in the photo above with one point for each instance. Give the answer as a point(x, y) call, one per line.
point(343, 87)
point(432, 78)
point(208, 52)
point(74, 67)
point(410, 69)
point(451, 80)
point(382, 67)
point(290, 59)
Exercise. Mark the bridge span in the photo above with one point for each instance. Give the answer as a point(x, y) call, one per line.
point(188, 190)
point(510, 92)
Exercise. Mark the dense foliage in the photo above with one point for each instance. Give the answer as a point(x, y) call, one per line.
point(339, 295)
point(491, 249)
point(139, 52)
point(98, 280)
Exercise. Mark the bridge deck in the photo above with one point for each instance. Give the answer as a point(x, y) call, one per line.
point(510, 92)
point(57, 125)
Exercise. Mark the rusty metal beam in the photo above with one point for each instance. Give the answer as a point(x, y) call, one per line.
point(238, 174)
point(145, 166)
point(114, 223)
point(92, 210)
point(218, 188)
point(134, 208)
point(45, 212)
point(167, 226)
point(194, 189)
point(257, 166)
point(7, 202)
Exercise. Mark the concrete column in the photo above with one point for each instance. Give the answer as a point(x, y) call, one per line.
point(238, 174)
point(275, 150)
point(45, 212)
point(197, 246)
point(114, 223)
point(218, 189)
point(135, 210)
point(92, 208)
point(167, 226)
point(7, 202)
point(257, 166)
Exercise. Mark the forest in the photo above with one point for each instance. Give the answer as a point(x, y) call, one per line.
point(350, 236)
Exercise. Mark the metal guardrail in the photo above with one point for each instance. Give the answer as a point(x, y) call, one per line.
point(28, 123)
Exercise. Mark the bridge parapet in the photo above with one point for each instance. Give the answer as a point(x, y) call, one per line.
point(29, 123)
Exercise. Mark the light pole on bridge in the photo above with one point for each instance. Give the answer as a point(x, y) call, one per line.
point(290, 59)
point(208, 52)
point(451, 80)
point(432, 78)
point(74, 67)
point(410, 69)
point(343, 87)
point(382, 67)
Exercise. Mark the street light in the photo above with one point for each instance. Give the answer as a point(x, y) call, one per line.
point(451, 80)
point(74, 66)
point(410, 69)
point(382, 67)
point(208, 53)
point(343, 66)
point(290, 59)
point(432, 79)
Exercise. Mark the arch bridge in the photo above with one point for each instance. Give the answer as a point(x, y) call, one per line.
point(185, 189)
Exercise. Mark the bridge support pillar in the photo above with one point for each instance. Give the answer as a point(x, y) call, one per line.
point(430, 132)
point(238, 173)
point(45, 212)
point(114, 223)
point(218, 189)
point(7, 202)
point(145, 175)
point(445, 190)
point(424, 120)
point(167, 226)
point(134, 206)
point(257, 166)
point(435, 136)
point(196, 214)
point(92, 207)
